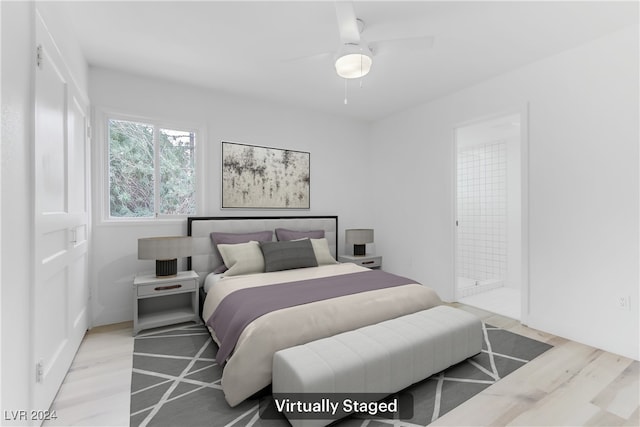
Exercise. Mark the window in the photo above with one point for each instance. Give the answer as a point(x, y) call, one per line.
point(151, 170)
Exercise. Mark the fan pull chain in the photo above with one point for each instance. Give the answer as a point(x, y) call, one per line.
point(345, 92)
point(361, 56)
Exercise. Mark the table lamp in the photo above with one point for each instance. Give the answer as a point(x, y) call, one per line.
point(358, 239)
point(166, 251)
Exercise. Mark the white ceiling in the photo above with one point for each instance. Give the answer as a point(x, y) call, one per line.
point(250, 48)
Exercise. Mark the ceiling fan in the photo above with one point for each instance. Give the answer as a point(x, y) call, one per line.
point(355, 55)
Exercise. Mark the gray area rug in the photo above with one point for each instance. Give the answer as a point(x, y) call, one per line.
point(176, 381)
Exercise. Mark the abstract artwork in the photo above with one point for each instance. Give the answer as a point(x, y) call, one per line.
point(264, 178)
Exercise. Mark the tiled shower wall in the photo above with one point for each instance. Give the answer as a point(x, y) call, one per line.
point(482, 215)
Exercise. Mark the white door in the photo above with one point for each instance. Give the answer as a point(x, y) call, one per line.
point(60, 297)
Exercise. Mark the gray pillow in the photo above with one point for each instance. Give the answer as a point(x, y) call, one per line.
point(282, 234)
point(288, 255)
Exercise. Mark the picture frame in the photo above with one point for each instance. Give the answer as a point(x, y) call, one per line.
point(257, 177)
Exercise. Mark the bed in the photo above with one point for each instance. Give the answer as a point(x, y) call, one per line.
point(247, 366)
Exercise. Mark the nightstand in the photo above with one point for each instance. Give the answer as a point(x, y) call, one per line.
point(161, 301)
point(369, 261)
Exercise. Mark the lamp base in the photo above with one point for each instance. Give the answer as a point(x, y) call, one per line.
point(359, 250)
point(166, 267)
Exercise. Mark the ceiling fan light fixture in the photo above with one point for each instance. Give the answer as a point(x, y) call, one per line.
point(353, 61)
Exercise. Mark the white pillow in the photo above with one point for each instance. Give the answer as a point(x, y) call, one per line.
point(323, 254)
point(242, 258)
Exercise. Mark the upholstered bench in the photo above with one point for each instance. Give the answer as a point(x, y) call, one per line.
point(383, 358)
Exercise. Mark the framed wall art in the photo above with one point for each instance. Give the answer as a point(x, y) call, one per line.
point(255, 177)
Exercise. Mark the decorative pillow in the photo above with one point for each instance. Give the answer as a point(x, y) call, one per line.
point(219, 238)
point(322, 251)
point(242, 258)
point(234, 238)
point(288, 255)
point(282, 234)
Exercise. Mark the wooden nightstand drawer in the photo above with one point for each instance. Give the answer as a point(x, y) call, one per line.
point(364, 261)
point(166, 287)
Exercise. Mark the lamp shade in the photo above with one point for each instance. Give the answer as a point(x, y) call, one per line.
point(165, 250)
point(353, 61)
point(164, 247)
point(357, 238)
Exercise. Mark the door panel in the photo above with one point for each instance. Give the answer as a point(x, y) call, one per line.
point(53, 244)
point(78, 292)
point(77, 154)
point(54, 292)
point(51, 103)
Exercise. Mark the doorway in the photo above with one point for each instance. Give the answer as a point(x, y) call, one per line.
point(489, 216)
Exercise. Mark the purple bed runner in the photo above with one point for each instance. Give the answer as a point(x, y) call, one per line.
point(243, 306)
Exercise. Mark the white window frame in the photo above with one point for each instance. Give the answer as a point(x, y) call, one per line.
point(102, 161)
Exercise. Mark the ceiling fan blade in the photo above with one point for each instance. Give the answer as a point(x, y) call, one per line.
point(313, 57)
point(411, 44)
point(347, 22)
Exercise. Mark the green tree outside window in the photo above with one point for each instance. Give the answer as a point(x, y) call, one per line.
point(151, 170)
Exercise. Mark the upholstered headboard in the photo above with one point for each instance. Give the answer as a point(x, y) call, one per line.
point(207, 259)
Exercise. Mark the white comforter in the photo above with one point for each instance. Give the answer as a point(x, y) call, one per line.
point(248, 369)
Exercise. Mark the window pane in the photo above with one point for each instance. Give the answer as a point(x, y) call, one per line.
point(177, 172)
point(130, 169)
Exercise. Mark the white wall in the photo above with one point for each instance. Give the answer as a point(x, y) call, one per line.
point(338, 178)
point(18, 62)
point(583, 187)
point(17, 46)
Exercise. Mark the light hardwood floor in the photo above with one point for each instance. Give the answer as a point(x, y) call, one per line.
point(96, 390)
point(570, 385)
